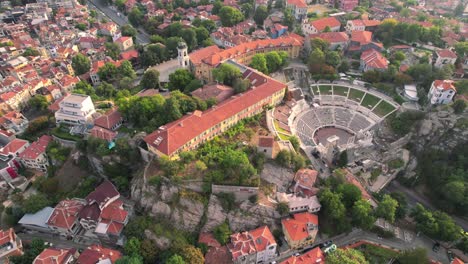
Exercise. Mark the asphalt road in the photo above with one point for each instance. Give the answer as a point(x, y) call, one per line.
point(414, 198)
point(120, 19)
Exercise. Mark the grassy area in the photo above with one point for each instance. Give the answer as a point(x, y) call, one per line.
point(340, 90)
point(282, 134)
point(383, 109)
point(370, 101)
point(355, 95)
point(325, 89)
point(315, 89)
point(63, 134)
point(376, 254)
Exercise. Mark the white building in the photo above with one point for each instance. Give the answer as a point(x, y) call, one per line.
point(75, 109)
point(442, 92)
point(255, 246)
point(298, 203)
point(319, 25)
point(411, 92)
point(299, 8)
point(445, 57)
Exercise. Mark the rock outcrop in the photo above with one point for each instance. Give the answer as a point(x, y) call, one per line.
point(215, 214)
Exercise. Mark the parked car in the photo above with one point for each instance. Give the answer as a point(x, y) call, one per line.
point(330, 249)
point(326, 244)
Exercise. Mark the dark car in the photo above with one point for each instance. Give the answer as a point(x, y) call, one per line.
point(326, 244)
point(436, 247)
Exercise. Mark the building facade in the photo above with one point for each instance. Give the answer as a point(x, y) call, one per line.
point(300, 230)
point(442, 92)
point(75, 109)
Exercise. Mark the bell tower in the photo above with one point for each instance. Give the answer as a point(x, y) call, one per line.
point(183, 56)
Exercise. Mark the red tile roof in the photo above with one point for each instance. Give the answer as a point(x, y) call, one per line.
point(296, 227)
point(298, 3)
point(54, 256)
point(102, 194)
point(314, 256)
point(96, 253)
point(445, 84)
point(128, 55)
point(332, 37)
point(374, 59)
point(217, 91)
point(109, 120)
point(7, 236)
point(122, 39)
point(218, 255)
point(350, 178)
point(102, 133)
point(371, 23)
point(322, 23)
point(13, 147)
point(217, 57)
point(197, 56)
point(363, 37)
point(306, 178)
point(266, 142)
point(36, 148)
point(208, 239)
point(262, 238)
point(457, 261)
point(446, 54)
point(171, 137)
point(115, 212)
point(65, 214)
point(241, 245)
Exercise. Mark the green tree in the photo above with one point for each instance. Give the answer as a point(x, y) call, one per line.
point(295, 142)
point(349, 193)
point(402, 208)
point(459, 106)
point(247, 9)
point(346, 256)
point(30, 52)
point(461, 48)
point(414, 256)
point(81, 64)
point(343, 159)
point(176, 259)
point(192, 255)
point(387, 208)
point(38, 102)
point(202, 34)
point(222, 233)
point(173, 109)
point(108, 72)
point(150, 79)
point(282, 208)
point(230, 16)
point(136, 16)
point(372, 76)
point(273, 61)
point(126, 69)
point(129, 31)
point(362, 214)
point(399, 56)
point(154, 54)
point(332, 204)
point(129, 260)
point(35, 203)
point(148, 252)
point(106, 90)
point(190, 37)
point(240, 85)
point(319, 43)
point(259, 62)
point(179, 79)
point(132, 247)
point(112, 50)
point(261, 13)
point(332, 58)
point(284, 158)
point(226, 74)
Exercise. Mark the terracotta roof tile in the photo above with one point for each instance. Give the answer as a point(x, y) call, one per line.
point(322, 23)
point(36, 148)
point(314, 256)
point(65, 214)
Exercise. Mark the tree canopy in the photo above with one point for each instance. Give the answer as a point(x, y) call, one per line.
point(230, 16)
point(346, 256)
point(81, 64)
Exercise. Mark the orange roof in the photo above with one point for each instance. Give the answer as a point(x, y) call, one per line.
point(298, 3)
point(169, 138)
point(306, 177)
point(13, 147)
point(122, 39)
point(362, 37)
point(7, 236)
point(208, 239)
point(445, 84)
point(322, 23)
point(108, 120)
point(446, 54)
point(262, 238)
point(115, 212)
point(371, 23)
point(96, 253)
point(297, 226)
point(457, 261)
point(65, 214)
point(102, 133)
point(374, 59)
point(314, 256)
point(197, 56)
point(332, 37)
point(266, 142)
point(351, 179)
point(54, 256)
point(36, 148)
point(215, 58)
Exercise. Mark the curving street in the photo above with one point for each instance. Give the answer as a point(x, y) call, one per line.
point(120, 19)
